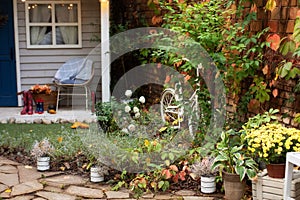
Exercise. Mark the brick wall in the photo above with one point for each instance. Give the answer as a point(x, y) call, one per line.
point(281, 21)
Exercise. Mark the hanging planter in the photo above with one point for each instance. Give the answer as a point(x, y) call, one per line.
point(43, 163)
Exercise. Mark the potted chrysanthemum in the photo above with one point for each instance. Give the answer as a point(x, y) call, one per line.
point(270, 143)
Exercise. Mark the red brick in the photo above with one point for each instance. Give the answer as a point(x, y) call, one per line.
point(261, 14)
point(293, 13)
point(259, 3)
point(284, 12)
point(273, 24)
point(290, 26)
point(247, 4)
point(293, 2)
point(275, 14)
point(256, 26)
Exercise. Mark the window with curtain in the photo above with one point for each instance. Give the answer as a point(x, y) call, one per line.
point(53, 24)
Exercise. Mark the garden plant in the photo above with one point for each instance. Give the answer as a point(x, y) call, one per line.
point(129, 129)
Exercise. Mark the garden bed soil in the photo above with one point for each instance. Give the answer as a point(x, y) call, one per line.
point(75, 167)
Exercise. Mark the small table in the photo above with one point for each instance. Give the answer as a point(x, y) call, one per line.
point(292, 158)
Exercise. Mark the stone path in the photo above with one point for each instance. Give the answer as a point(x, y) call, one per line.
point(19, 182)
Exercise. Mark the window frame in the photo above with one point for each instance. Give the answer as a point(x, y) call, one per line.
point(53, 24)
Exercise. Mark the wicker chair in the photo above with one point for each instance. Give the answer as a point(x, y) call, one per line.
point(74, 87)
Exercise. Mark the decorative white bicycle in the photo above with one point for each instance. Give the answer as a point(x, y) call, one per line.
point(172, 106)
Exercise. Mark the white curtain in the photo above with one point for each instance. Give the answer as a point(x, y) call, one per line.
point(39, 13)
point(68, 14)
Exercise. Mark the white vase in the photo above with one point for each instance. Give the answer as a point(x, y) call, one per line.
point(95, 176)
point(43, 163)
point(208, 184)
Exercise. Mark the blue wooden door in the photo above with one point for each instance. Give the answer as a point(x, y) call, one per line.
point(8, 81)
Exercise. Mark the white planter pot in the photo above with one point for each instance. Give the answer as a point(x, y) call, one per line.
point(95, 176)
point(43, 163)
point(208, 184)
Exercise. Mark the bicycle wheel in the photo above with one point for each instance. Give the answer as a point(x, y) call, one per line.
point(169, 108)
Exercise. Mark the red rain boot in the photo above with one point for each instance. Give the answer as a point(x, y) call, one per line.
point(29, 103)
point(25, 99)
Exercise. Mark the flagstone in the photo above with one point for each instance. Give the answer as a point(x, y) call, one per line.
point(28, 173)
point(8, 169)
point(3, 187)
point(23, 197)
point(116, 195)
point(53, 189)
point(197, 198)
point(165, 196)
point(5, 195)
point(9, 179)
point(55, 196)
point(148, 196)
point(26, 188)
point(63, 181)
point(5, 161)
point(84, 192)
point(185, 192)
point(99, 186)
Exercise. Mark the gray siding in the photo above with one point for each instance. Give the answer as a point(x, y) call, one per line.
point(38, 66)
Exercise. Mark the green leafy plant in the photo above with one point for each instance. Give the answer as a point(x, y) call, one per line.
point(297, 118)
point(104, 113)
point(288, 71)
point(261, 119)
point(231, 157)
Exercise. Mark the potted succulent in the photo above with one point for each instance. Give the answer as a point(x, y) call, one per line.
point(203, 170)
point(234, 164)
point(42, 150)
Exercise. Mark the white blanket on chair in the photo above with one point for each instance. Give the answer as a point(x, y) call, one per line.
point(75, 70)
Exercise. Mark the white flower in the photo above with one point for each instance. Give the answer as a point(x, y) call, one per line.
point(127, 109)
point(128, 93)
point(131, 128)
point(142, 99)
point(137, 115)
point(136, 109)
point(124, 130)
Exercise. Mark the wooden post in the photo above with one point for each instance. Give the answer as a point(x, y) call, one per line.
point(105, 51)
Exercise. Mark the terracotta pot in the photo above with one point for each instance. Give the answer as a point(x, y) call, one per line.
point(234, 188)
point(276, 170)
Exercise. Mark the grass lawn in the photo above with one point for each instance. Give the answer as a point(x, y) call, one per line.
point(25, 135)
